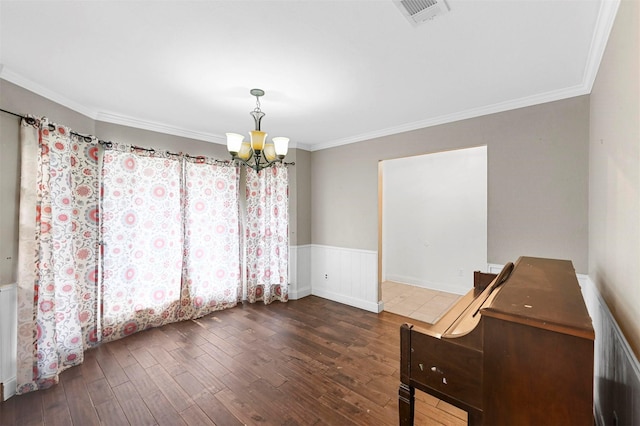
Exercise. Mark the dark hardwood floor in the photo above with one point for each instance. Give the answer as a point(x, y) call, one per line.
point(305, 362)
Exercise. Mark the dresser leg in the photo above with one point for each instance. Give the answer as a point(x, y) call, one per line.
point(475, 418)
point(406, 404)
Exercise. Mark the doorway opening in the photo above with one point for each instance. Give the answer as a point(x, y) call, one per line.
point(433, 230)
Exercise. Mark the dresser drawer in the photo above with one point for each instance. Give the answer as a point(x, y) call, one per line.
point(448, 368)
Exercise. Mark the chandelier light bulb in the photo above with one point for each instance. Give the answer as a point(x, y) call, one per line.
point(234, 142)
point(281, 146)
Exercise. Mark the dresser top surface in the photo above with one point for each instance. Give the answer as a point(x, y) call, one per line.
point(543, 293)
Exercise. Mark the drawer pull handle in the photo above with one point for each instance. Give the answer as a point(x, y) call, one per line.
point(421, 367)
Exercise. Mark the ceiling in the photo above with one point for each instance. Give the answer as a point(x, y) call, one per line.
point(334, 72)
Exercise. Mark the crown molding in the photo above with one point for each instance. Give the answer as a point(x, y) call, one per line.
point(171, 130)
point(606, 18)
point(462, 115)
point(19, 80)
point(108, 117)
point(604, 24)
point(123, 120)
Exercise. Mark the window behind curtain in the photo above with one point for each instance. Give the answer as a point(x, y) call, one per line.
point(171, 239)
point(142, 237)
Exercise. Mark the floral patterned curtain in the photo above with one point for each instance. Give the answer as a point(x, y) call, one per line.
point(171, 239)
point(168, 226)
point(267, 234)
point(212, 279)
point(57, 276)
point(142, 237)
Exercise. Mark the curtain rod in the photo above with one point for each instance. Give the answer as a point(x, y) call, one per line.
point(31, 120)
point(108, 144)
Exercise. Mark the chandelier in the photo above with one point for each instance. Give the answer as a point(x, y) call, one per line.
point(257, 154)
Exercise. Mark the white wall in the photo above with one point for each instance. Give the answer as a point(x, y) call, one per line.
point(434, 219)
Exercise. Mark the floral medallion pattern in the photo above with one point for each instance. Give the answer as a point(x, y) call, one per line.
point(212, 279)
point(142, 237)
point(267, 234)
point(57, 305)
point(156, 241)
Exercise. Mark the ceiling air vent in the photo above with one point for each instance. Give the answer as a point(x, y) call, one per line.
point(419, 11)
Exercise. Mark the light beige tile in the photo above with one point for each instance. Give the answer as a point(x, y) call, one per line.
point(425, 316)
point(422, 304)
point(400, 310)
point(442, 301)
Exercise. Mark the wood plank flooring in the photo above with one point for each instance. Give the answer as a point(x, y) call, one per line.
point(305, 362)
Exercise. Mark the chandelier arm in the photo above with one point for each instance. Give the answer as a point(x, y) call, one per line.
point(268, 163)
point(257, 166)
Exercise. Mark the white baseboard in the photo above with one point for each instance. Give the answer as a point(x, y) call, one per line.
point(300, 293)
point(448, 288)
point(351, 301)
point(494, 268)
point(8, 338)
point(299, 271)
point(10, 387)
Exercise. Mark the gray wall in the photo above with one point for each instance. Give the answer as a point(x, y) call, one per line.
point(614, 172)
point(19, 100)
point(537, 181)
point(300, 197)
point(16, 99)
point(537, 175)
point(614, 219)
point(9, 196)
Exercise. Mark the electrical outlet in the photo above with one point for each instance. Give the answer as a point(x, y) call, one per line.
point(326, 276)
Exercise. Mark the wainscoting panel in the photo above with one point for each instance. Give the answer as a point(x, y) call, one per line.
point(348, 276)
point(616, 369)
point(8, 331)
point(299, 271)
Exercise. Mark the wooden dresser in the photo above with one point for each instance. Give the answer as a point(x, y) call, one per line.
point(520, 352)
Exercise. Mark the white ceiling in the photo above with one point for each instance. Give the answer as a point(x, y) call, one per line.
point(334, 72)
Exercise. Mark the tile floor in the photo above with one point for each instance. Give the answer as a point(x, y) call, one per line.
point(414, 302)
